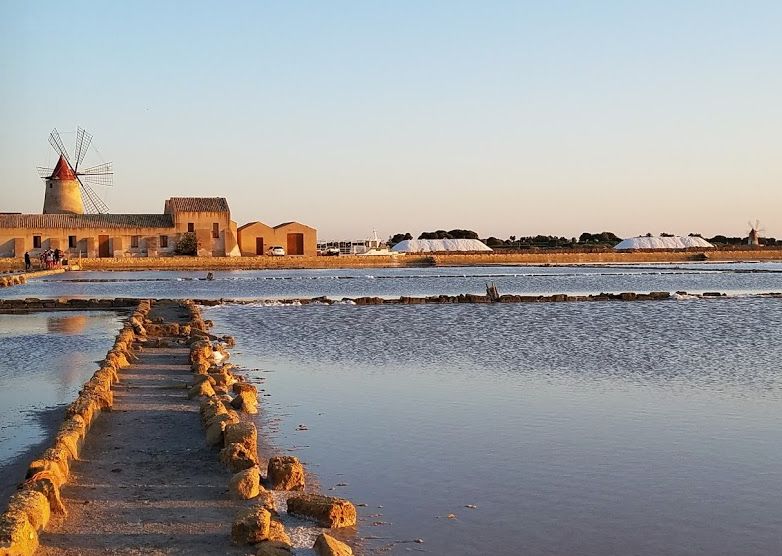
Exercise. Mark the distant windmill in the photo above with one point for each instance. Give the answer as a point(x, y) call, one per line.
point(68, 184)
point(753, 236)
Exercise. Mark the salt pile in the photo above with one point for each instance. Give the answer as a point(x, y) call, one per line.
point(672, 242)
point(439, 245)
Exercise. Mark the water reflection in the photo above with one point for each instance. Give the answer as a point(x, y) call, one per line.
point(47, 358)
point(66, 324)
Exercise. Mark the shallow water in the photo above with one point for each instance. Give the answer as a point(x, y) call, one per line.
point(600, 428)
point(47, 357)
point(741, 278)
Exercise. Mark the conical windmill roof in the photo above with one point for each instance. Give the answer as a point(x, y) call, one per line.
point(63, 170)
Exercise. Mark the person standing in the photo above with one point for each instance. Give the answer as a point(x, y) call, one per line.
point(27, 264)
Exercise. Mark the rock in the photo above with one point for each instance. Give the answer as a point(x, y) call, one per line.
point(239, 387)
point(245, 484)
point(214, 434)
point(230, 417)
point(53, 468)
point(200, 356)
point(70, 440)
point(60, 456)
point(236, 457)
point(251, 525)
point(266, 499)
point(45, 483)
point(277, 531)
point(202, 389)
point(197, 379)
point(285, 473)
point(200, 367)
point(17, 535)
point(327, 511)
point(273, 548)
point(243, 433)
point(326, 545)
point(246, 401)
point(211, 407)
point(33, 504)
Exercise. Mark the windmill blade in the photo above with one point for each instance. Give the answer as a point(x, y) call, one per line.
point(56, 142)
point(100, 169)
point(45, 172)
point(101, 174)
point(92, 203)
point(83, 140)
point(98, 179)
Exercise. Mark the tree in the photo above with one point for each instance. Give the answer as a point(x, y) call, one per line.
point(453, 234)
point(396, 238)
point(187, 244)
point(494, 242)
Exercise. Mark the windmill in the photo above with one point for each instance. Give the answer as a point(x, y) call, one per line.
point(68, 184)
point(753, 236)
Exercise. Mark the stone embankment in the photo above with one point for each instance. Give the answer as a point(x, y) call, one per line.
point(35, 304)
point(19, 278)
point(143, 480)
point(480, 299)
point(467, 298)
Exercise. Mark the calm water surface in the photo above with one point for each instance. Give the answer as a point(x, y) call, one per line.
point(586, 428)
point(393, 282)
point(590, 429)
point(47, 357)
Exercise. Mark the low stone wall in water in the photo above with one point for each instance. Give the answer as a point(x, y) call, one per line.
point(20, 278)
point(63, 304)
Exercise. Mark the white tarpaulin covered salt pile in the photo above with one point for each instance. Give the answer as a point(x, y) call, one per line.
point(672, 242)
point(439, 245)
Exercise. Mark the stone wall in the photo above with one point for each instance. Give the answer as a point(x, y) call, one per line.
point(19, 278)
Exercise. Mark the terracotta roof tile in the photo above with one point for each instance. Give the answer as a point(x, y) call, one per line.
point(197, 204)
point(75, 221)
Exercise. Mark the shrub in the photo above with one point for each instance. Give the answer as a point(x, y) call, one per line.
point(187, 244)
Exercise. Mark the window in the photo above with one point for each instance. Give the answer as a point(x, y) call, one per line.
point(216, 230)
point(163, 241)
point(190, 227)
point(134, 242)
point(36, 242)
point(71, 242)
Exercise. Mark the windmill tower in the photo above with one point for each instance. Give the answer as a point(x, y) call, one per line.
point(67, 186)
point(753, 236)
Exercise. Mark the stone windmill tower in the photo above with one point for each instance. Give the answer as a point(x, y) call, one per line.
point(67, 187)
point(62, 191)
point(753, 236)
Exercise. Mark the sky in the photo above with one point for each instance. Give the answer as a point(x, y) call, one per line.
point(507, 118)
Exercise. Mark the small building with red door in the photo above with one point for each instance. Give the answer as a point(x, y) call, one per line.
point(257, 238)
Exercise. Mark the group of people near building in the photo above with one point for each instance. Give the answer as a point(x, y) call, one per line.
point(50, 258)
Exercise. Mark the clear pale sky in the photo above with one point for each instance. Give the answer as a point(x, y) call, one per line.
point(509, 118)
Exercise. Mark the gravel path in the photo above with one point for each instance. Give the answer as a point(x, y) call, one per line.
point(146, 482)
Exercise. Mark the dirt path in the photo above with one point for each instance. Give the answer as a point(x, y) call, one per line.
point(146, 483)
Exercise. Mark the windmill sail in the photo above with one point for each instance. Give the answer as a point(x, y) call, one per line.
point(83, 140)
